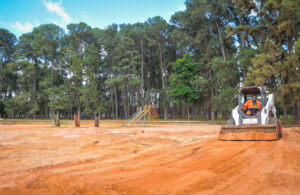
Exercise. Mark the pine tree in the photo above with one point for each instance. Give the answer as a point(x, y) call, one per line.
point(7, 48)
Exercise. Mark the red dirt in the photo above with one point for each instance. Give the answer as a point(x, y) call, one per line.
point(166, 159)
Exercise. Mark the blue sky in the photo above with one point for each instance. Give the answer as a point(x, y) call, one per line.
point(20, 16)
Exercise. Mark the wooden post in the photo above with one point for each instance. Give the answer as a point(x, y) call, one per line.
point(77, 120)
point(57, 122)
point(96, 120)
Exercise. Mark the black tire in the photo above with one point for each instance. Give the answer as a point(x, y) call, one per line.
point(230, 122)
point(280, 128)
point(278, 125)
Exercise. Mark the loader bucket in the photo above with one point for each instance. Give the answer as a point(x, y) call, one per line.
point(270, 132)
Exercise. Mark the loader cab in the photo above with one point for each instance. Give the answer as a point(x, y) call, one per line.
point(245, 94)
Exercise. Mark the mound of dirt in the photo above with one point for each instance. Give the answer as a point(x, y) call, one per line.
point(162, 159)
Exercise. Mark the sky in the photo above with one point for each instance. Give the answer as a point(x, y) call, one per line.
point(21, 16)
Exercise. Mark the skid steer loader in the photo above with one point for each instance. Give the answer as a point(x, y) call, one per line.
point(262, 125)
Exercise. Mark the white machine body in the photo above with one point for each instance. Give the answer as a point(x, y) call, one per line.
point(264, 113)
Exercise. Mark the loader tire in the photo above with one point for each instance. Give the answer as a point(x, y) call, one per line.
point(280, 128)
point(230, 122)
point(278, 125)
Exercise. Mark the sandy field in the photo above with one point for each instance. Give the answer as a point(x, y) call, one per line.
point(162, 158)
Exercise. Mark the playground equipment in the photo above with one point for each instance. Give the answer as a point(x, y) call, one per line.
point(148, 113)
point(263, 125)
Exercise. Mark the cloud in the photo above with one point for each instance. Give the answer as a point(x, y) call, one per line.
point(58, 9)
point(24, 28)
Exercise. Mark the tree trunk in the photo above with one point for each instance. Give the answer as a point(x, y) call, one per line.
point(52, 79)
point(161, 68)
point(52, 75)
point(13, 113)
point(166, 112)
point(194, 111)
point(124, 103)
point(78, 106)
point(173, 112)
point(221, 41)
point(51, 115)
point(183, 110)
point(35, 83)
point(188, 112)
point(211, 98)
point(127, 95)
point(142, 56)
point(243, 37)
point(148, 73)
point(213, 117)
point(242, 34)
point(35, 70)
point(116, 102)
point(261, 23)
point(203, 113)
point(111, 107)
point(46, 109)
point(164, 87)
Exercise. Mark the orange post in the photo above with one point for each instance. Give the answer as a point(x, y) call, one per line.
point(97, 121)
point(77, 120)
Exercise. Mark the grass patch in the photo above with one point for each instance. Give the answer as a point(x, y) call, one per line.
point(290, 123)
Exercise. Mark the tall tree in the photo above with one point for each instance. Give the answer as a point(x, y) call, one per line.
point(110, 40)
point(7, 48)
point(47, 45)
point(27, 52)
point(79, 40)
point(159, 37)
point(182, 82)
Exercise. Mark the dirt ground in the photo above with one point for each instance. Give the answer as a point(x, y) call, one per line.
point(168, 158)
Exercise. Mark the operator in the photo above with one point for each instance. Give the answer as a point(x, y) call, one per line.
point(252, 106)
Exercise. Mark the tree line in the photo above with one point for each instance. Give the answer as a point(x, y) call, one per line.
point(190, 67)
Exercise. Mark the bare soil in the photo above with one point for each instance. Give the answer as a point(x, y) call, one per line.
point(165, 158)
